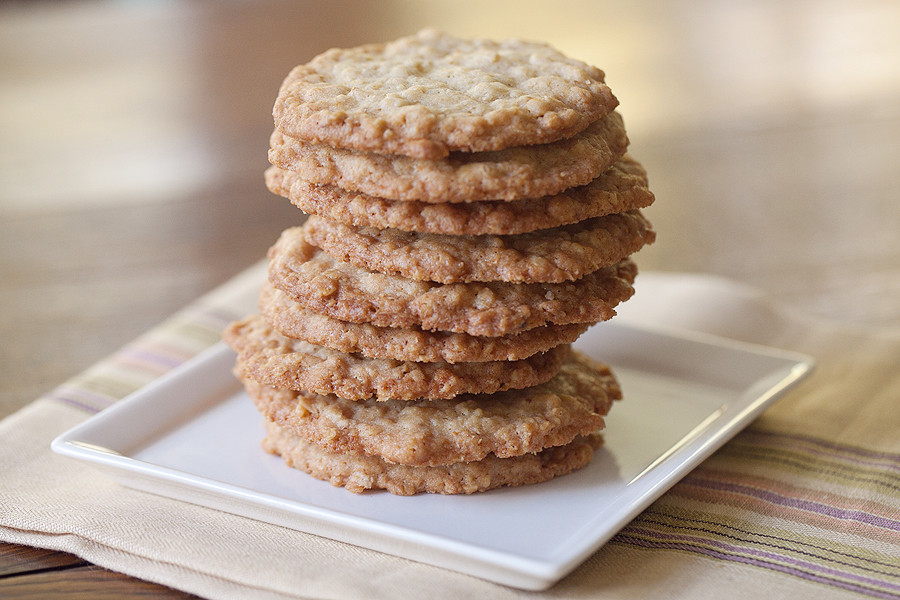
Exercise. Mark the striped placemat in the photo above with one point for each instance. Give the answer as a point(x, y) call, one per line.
point(811, 490)
point(793, 503)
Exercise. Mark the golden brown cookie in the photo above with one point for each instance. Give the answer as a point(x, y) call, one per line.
point(270, 358)
point(358, 473)
point(431, 93)
point(292, 320)
point(511, 174)
point(439, 432)
point(554, 255)
point(347, 293)
point(620, 188)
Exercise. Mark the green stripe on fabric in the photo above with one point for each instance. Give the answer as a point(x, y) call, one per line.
point(826, 470)
point(111, 386)
point(196, 332)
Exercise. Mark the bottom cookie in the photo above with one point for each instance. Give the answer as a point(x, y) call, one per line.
point(358, 473)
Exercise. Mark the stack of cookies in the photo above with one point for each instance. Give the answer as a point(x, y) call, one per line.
point(472, 212)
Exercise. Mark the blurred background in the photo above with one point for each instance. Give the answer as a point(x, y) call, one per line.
point(133, 139)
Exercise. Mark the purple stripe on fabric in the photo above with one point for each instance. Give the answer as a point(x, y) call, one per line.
point(86, 395)
point(893, 460)
point(72, 402)
point(807, 505)
point(726, 547)
point(626, 539)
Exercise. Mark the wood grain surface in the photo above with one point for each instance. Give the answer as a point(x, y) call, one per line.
point(133, 139)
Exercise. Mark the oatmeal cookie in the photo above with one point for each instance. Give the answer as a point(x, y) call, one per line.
point(511, 174)
point(268, 357)
point(292, 320)
point(347, 293)
point(620, 188)
point(428, 94)
point(358, 473)
point(440, 432)
point(554, 255)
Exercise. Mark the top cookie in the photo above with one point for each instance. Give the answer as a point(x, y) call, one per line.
point(429, 94)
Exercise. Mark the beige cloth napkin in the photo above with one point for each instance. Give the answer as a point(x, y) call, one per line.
point(804, 502)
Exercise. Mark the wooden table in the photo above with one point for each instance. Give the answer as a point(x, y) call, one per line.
point(133, 139)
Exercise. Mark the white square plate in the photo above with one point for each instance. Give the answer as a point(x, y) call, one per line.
point(195, 436)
